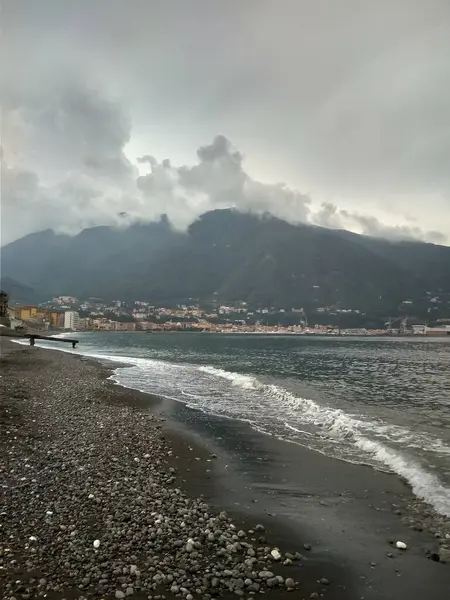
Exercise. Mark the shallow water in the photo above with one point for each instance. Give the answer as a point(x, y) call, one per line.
point(382, 402)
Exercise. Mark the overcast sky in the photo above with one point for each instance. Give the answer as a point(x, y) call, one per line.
point(330, 112)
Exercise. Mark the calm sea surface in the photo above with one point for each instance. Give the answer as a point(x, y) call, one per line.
point(382, 402)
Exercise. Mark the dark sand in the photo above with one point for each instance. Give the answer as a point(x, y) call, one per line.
point(345, 512)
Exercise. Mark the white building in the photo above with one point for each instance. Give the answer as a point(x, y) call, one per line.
point(71, 320)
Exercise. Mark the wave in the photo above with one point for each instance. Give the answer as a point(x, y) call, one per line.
point(275, 410)
point(336, 425)
point(425, 485)
point(247, 382)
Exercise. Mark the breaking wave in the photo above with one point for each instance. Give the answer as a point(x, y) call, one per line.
point(361, 440)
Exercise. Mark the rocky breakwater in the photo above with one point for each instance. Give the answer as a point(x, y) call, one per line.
point(90, 506)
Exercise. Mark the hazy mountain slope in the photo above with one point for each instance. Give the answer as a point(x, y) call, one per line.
point(232, 256)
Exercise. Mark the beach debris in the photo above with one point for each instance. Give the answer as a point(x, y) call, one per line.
point(96, 544)
point(275, 553)
point(400, 545)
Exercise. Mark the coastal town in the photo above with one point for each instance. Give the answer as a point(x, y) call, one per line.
point(68, 313)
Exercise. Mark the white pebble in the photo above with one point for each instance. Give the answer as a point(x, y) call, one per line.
point(276, 554)
point(96, 543)
point(32, 538)
point(49, 513)
point(401, 545)
point(91, 496)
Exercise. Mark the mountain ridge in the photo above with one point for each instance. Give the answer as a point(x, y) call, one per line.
point(229, 256)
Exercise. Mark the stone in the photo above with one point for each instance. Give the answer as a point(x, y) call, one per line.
point(275, 553)
point(307, 546)
point(444, 555)
point(119, 595)
point(324, 581)
point(289, 583)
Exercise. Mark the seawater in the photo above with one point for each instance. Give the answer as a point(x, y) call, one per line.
point(382, 402)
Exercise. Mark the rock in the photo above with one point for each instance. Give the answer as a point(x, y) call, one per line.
point(265, 574)
point(314, 595)
point(289, 583)
point(324, 581)
point(119, 595)
point(96, 543)
point(444, 555)
point(260, 528)
point(400, 545)
point(129, 591)
point(275, 553)
point(307, 546)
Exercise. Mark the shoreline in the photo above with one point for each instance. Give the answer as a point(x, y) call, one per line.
point(270, 495)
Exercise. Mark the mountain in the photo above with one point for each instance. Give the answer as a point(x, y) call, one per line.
point(230, 256)
point(19, 292)
point(91, 263)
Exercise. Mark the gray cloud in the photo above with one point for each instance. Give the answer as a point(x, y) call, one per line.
point(349, 101)
point(332, 217)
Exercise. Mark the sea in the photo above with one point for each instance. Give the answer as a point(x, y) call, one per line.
point(382, 402)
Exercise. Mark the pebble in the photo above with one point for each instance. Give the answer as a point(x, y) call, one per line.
point(289, 583)
point(400, 545)
point(307, 546)
point(324, 581)
point(275, 553)
point(444, 555)
point(119, 594)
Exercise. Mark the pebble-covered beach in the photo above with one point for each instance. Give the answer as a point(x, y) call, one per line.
point(91, 504)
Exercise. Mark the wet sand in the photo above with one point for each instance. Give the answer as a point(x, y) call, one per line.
point(341, 517)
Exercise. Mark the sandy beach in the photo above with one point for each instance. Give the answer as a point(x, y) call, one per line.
point(110, 493)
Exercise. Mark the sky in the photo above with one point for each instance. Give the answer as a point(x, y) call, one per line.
point(323, 112)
